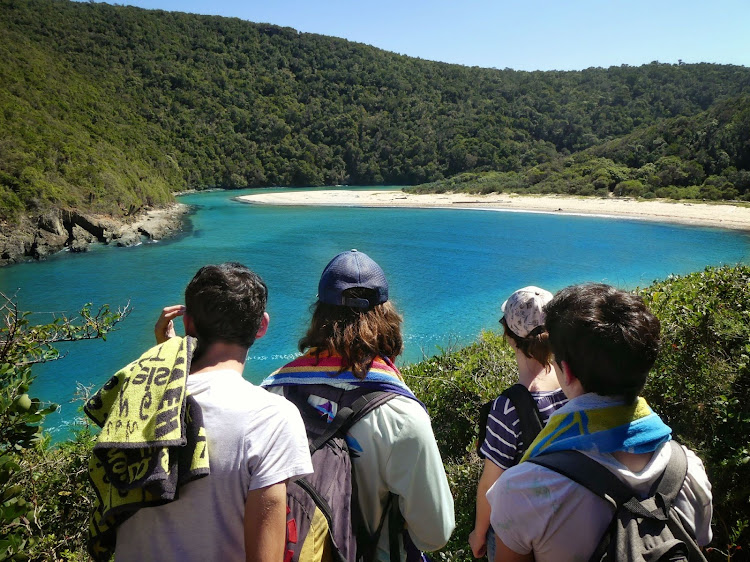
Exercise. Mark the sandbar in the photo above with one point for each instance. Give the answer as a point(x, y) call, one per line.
point(720, 215)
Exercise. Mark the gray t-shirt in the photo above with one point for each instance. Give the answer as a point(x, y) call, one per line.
point(255, 439)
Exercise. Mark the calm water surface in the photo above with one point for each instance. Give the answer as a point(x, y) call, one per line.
point(449, 270)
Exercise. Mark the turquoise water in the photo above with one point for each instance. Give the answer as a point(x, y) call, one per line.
point(449, 270)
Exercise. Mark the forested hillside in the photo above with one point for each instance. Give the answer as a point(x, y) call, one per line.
point(112, 108)
point(703, 156)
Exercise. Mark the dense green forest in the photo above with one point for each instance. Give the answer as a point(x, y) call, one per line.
point(704, 156)
point(112, 108)
point(699, 385)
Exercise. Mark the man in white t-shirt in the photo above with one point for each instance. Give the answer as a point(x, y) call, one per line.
point(604, 341)
point(256, 440)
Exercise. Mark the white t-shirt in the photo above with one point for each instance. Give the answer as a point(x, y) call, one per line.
point(534, 508)
point(255, 439)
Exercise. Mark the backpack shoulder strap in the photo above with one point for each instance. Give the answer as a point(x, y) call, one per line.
point(658, 505)
point(347, 416)
point(588, 473)
point(674, 475)
point(528, 413)
point(484, 414)
point(601, 481)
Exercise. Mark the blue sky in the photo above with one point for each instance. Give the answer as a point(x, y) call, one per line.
point(518, 34)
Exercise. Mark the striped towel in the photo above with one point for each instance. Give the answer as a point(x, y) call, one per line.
point(309, 369)
point(603, 424)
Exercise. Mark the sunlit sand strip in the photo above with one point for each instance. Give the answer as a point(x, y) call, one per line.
point(697, 214)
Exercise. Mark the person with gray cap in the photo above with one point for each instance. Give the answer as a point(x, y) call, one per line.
point(350, 346)
point(537, 389)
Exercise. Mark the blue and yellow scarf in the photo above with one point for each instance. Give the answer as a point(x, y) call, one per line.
point(603, 424)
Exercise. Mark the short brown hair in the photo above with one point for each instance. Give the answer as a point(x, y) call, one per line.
point(226, 302)
point(357, 335)
point(609, 338)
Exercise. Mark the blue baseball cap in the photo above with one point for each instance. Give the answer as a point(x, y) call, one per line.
point(350, 270)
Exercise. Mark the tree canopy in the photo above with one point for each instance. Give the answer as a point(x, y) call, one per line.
point(111, 108)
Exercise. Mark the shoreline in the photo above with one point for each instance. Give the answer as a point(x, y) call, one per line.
point(58, 230)
point(719, 215)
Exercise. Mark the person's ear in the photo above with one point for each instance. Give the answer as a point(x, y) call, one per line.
point(570, 384)
point(263, 326)
point(567, 373)
point(189, 325)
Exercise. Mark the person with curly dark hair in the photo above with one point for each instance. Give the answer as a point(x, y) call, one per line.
point(604, 343)
point(250, 442)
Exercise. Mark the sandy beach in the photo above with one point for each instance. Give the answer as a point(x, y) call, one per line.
point(697, 214)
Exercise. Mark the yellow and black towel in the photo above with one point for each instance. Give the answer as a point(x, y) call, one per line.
point(152, 439)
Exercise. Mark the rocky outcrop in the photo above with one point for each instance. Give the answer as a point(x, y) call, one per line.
point(56, 230)
point(80, 239)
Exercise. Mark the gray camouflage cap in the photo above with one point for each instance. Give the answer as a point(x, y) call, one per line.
point(523, 310)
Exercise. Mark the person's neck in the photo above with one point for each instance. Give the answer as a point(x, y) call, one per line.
point(535, 376)
point(219, 356)
point(635, 462)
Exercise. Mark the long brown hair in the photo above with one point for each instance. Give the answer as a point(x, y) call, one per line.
point(534, 346)
point(357, 335)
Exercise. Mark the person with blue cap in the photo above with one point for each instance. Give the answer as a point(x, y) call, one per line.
point(350, 346)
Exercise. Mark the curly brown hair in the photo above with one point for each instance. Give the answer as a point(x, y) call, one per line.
point(226, 302)
point(357, 335)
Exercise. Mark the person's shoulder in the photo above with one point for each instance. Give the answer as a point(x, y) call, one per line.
point(400, 416)
point(501, 406)
point(530, 484)
point(529, 476)
point(404, 404)
point(693, 460)
point(236, 392)
point(696, 478)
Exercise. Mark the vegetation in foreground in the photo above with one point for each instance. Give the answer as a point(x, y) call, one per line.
point(220, 102)
point(44, 492)
point(699, 385)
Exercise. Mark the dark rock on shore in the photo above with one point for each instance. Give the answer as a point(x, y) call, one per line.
point(56, 230)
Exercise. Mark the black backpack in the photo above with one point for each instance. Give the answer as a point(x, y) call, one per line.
point(528, 416)
point(323, 515)
point(642, 530)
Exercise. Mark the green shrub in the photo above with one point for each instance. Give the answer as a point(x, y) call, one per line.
point(26, 495)
point(699, 385)
point(629, 188)
point(701, 382)
point(453, 386)
point(56, 483)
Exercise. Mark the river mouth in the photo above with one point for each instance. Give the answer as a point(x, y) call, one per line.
point(448, 272)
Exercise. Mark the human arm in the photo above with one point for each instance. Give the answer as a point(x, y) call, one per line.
point(414, 472)
point(164, 327)
point(265, 523)
point(478, 537)
point(694, 502)
point(505, 554)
